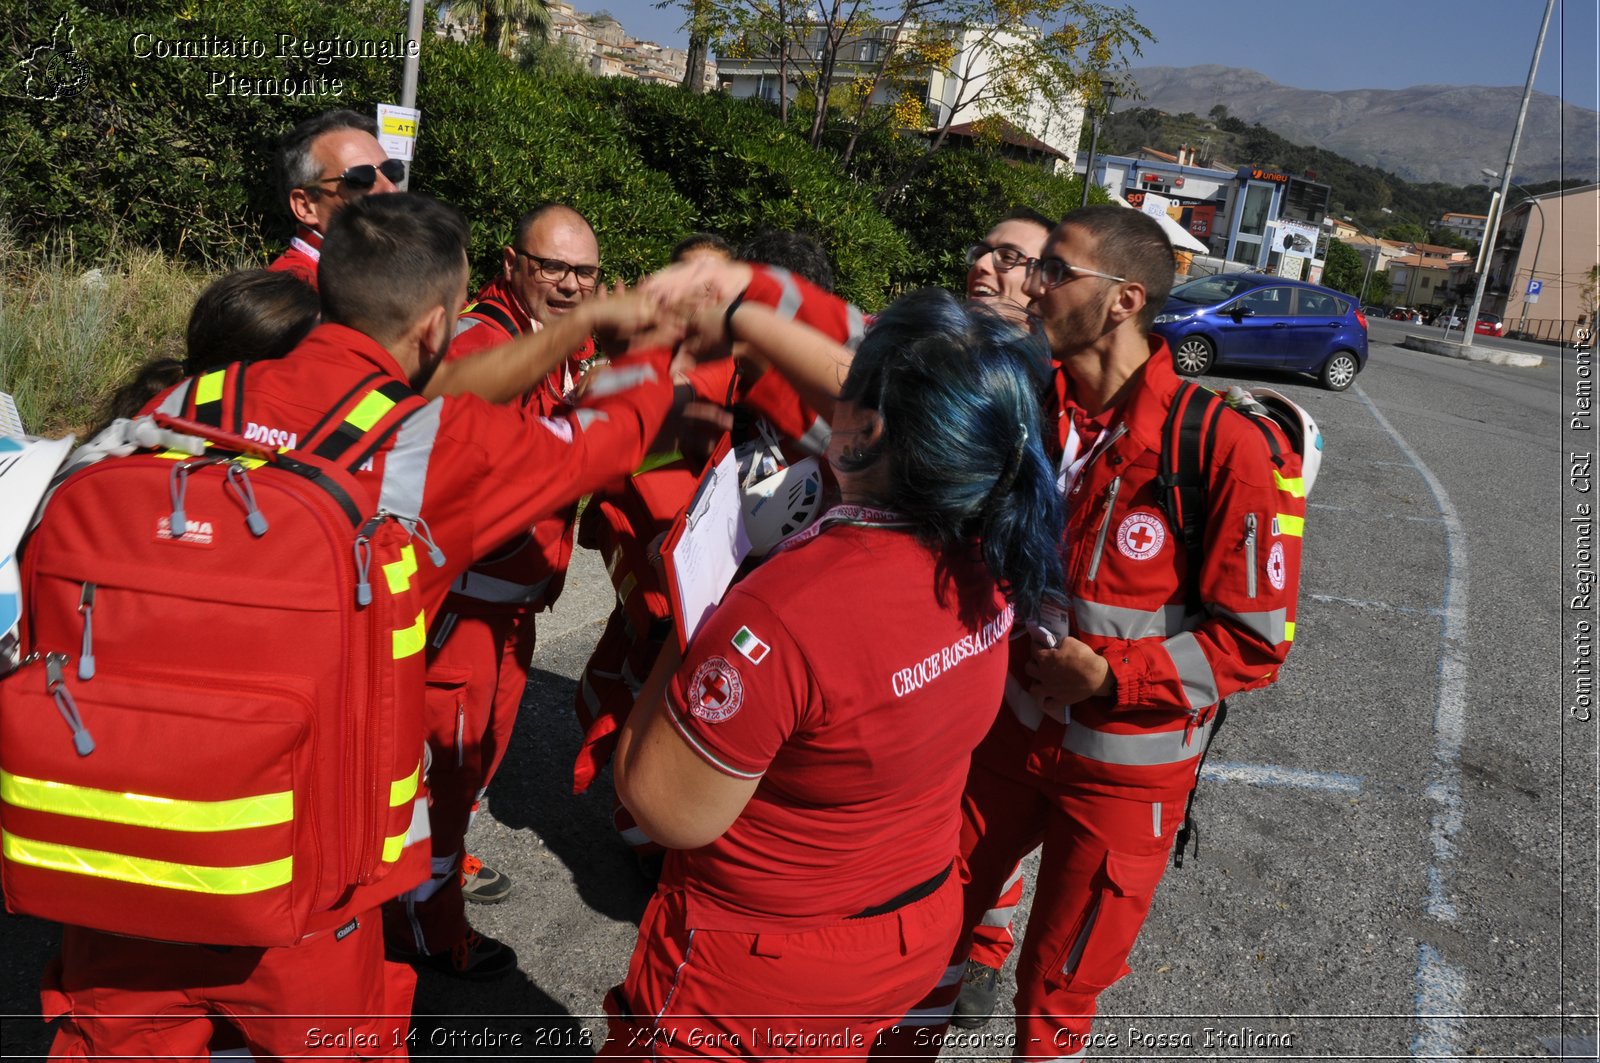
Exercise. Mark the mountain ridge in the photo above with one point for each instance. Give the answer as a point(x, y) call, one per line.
point(1423, 133)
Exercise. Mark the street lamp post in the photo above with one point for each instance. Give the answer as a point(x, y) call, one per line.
point(1108, 93)
point(1505, 177)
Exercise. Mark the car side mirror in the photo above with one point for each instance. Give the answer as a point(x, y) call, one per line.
point(1239, 313)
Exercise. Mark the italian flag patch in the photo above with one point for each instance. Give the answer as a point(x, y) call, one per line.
point(746, 642)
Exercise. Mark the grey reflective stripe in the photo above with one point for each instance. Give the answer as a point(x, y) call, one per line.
point(1145, 749)
point(1271, 625)
point(998, 916)
point(477, 586)
point(1075, 956)
point(856, 325)
point(614, 381)
point(464, 323)
point(815, 441)
point(405, 470)
point(173, 404)
point(1155, 819)
point(1194, 671)
point(586, 417)
point(1118, 622)
point(789, 292)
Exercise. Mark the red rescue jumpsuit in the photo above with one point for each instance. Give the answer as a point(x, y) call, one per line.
point(301, 256)
point(479, 650)
point(1103, 788)
point(491, 474)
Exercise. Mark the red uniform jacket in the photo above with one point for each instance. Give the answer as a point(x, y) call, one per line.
point(302, 256)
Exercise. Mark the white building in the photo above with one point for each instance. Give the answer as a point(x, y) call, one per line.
point(1470, 226)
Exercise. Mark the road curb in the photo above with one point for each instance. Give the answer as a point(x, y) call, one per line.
point(1450, 349)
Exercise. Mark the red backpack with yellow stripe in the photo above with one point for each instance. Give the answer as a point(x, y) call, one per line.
point(216, 734)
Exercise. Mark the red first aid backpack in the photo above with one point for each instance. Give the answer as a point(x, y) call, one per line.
point(216, 735)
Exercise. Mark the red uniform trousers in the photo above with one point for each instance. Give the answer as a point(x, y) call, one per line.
point(830, 991)
point(1103, 856)
point(328, 996)
point(476, 680)
point(992, 938)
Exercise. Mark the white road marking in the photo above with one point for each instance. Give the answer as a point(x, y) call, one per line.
point(1276, 776)
point(1440, 987)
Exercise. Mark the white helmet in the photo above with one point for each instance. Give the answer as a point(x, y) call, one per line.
point(1298, 425)
point(781, 504)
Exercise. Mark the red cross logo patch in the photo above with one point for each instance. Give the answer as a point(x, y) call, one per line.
point(715, 691)
point(1275, 567)
point(1141, 535)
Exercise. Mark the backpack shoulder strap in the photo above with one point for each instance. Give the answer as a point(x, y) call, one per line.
point(1188, 437)
point(493, 311)
point(217, 398)
point(359, 426)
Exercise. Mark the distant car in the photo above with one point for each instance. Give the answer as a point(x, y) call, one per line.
point(1489, 325)
point(1250, 319)
point(1400, 313)
point(1447, 320)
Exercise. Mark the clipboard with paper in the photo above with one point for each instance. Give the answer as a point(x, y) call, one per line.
point(706, 544)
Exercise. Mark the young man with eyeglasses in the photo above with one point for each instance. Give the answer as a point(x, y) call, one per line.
point(324, 163)
point(481, 646)
point(997, 267)
point(1096, 748)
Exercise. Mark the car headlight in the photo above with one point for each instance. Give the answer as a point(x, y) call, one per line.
point(1167, 319)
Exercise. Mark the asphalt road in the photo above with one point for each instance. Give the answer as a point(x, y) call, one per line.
point(1398, 839)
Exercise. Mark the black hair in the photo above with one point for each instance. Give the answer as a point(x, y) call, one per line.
point(697, 241)
point(387, 260)
point(795, 252)
point(955, 386)
point(1027, 214)
point(296, 167)
point(1132, 245)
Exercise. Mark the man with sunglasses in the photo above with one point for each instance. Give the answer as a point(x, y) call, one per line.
point(1111, 702)
point(324, 163)
point(481, 645)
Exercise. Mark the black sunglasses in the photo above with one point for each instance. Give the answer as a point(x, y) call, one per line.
point(362, 178)
point(553, 269)
point(1006, 259)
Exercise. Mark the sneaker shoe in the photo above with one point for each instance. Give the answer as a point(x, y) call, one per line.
point(482, 884)
point(980, 992)
point(474, 958)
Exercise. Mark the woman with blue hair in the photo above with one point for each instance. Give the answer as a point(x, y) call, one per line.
point(805, 762)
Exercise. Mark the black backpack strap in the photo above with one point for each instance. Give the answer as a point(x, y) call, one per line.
point(1190, 828)
point(216, 398)
point(490, 310)
point(366, 423)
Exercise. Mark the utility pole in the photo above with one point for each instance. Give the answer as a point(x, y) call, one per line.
point(1505, 175)
point(408, 83)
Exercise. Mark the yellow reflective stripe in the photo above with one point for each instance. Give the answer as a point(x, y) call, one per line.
point(209, 387)
point(1289, 524)
point(1288, 631)
point(399, 573)
point(656, 461)
point(393, 847)
point(370, 410)
point(143, 810)
point(193, 878)
point(411, 639)
point(1292, 485)
point(469, 308)
point(403, 790)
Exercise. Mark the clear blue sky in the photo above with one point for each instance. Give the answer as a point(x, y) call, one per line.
point(1328, 44)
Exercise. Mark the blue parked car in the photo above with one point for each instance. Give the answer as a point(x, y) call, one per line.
point(1252, 319)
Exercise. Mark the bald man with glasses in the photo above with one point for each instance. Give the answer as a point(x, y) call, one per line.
point(324, 163)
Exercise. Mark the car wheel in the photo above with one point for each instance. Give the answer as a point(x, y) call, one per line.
point(1339, 371)
point(1193, 356)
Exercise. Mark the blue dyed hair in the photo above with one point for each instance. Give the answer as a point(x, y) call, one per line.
point(957, 388)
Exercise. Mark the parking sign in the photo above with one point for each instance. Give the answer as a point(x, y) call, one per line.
point(1534, 287)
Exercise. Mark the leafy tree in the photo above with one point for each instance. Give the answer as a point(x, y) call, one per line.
point(499, 21)
point(1217, 113)
point(1410, 232)
point(1343, 269)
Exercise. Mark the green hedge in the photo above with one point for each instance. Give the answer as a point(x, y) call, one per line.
point(150, 154)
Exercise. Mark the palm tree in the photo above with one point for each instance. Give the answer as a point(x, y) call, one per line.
point(501, 19)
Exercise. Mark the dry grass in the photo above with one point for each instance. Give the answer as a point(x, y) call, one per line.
point(72, 331)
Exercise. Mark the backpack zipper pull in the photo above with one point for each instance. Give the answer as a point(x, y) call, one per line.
point(420, 529)
point(239, 480)
point(86, 658)
point(56, 685)
point(363, 551)
point(177, 487)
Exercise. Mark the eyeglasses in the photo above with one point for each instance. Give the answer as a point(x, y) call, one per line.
point(362, 178)
point(553, 269)
point(1006, 259)
point(1055, 272)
